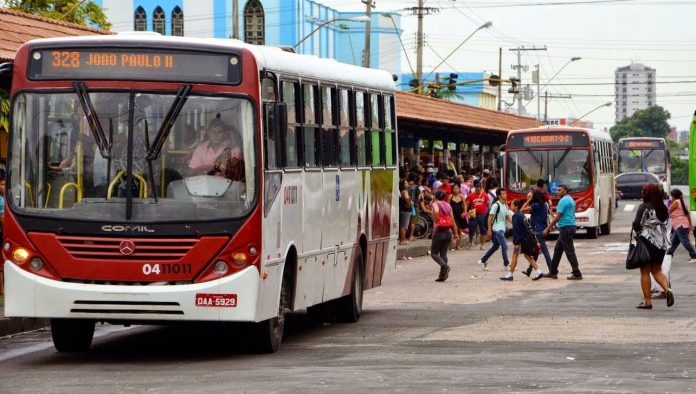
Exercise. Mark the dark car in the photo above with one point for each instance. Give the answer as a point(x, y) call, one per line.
point(630, 184)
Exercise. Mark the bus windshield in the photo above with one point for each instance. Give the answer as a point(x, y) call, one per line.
point(559, 166)
point(204, 171)
point(642, 160)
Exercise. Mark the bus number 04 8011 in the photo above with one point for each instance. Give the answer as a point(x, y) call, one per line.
point(164, 269)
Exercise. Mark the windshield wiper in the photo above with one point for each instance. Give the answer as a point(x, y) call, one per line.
point(563, 156)
point(179, 101)
point(149, 161)
point(92, 120)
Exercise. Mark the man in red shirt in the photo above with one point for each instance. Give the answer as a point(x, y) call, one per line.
point(477, 204)
point(446, 187)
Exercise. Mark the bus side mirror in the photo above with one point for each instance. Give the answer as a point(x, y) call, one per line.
point(276, 115)
point(6, 76)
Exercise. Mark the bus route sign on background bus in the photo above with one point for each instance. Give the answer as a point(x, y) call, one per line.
point(133, 64)
point(547, 139)
point(645, 144)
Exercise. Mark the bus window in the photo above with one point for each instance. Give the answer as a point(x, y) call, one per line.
point(375, 138)
point(344, 128)
point(389, 133)
point(310, 128)
point(328, 130)
point(290, 143)
point(271, 146)
point(360, 130)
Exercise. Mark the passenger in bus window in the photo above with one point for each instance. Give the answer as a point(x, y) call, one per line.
point(220, 154)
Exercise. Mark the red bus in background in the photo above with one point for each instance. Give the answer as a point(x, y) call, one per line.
point(577, 157)
point(123, 208)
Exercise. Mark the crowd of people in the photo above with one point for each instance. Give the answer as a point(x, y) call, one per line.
point(473, 205)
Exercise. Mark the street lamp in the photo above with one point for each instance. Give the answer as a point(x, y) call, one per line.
point(362, 18)
point(484, 26)
point(593, 109)
point(396, 29)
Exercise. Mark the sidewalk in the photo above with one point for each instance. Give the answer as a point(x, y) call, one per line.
point(9, 326)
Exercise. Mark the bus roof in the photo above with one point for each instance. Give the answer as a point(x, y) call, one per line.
point(594, 134)
point(271, 58)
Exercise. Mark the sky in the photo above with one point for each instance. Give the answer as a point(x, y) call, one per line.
point(606, 34)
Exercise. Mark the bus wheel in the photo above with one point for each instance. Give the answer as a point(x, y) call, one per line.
point(72, 335)
point(269, 333)
point(592, 232)
point(606, 227)
point(348, 309)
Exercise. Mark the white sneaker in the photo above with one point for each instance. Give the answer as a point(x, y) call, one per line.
point(485, 265)
point(692, 260)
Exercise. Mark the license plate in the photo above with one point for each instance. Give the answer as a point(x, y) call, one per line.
point(216, 300)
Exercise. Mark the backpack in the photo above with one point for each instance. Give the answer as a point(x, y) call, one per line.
point(495, 215)
point(530, 242)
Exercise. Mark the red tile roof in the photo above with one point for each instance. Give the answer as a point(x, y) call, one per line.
point(419, 108)
point(16, 28)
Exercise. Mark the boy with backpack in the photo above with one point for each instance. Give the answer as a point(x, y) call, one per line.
point(498, 215)
point(524, 241)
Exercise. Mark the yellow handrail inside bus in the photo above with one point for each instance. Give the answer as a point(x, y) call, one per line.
point(77, 185)
point(48, 195)
point(117, 178)
point(27, 185)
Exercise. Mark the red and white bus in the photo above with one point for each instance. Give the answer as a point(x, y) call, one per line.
point(109, 220)
point(577, 157)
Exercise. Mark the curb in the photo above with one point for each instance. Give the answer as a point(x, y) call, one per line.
point(11, 326)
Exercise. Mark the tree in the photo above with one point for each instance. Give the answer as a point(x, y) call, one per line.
point(82, 12)
point(649, 122)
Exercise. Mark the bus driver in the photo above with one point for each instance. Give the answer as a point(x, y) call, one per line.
point(220, 154)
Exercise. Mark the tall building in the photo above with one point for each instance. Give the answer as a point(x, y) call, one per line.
point(267, 22)
point(634, 89)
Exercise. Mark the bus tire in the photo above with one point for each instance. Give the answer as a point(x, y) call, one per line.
point(72, 335)
point(606, 227)
point(592, 232)
point(347, 309)
point(269, 333)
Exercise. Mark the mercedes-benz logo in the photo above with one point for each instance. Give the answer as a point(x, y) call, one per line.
point(127, 248)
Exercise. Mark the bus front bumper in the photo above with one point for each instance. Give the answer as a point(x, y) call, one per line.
point(586, 219)
point(29, 295)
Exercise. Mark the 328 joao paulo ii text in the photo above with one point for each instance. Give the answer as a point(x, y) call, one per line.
point(155, 64)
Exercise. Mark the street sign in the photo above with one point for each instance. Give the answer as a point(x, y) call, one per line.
point(556, 122)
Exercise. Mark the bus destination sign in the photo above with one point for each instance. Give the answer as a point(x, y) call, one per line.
point(643, 144)
point(134, 64)
point(549, 139)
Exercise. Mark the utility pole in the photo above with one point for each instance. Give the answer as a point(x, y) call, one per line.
point(500, 76)
point(519, 67)
point(420, 12)
point(547, 96)
point(235, 19)
point(369, 4)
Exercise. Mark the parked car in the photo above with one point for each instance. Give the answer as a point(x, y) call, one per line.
point(630, 184)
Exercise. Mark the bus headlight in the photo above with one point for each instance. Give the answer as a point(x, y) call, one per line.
point(36, 264)
point(20, 255)
point(220, 267)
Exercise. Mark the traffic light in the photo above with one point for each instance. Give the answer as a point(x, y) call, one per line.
point(514, 81)
point(494, 80)
point(452, 83)
point(413, 83)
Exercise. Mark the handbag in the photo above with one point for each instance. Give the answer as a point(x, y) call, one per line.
point(638, 253)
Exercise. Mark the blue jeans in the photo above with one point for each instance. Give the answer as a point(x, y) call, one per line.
point(544, 248)
point(499, 241)
point(681, 235)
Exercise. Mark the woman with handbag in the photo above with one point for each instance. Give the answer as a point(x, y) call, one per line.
point(405, 207)
point(444, 228)
point(652, 241)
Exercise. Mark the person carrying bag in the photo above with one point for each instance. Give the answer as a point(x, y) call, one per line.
point(444, 230)
point(650, 244)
